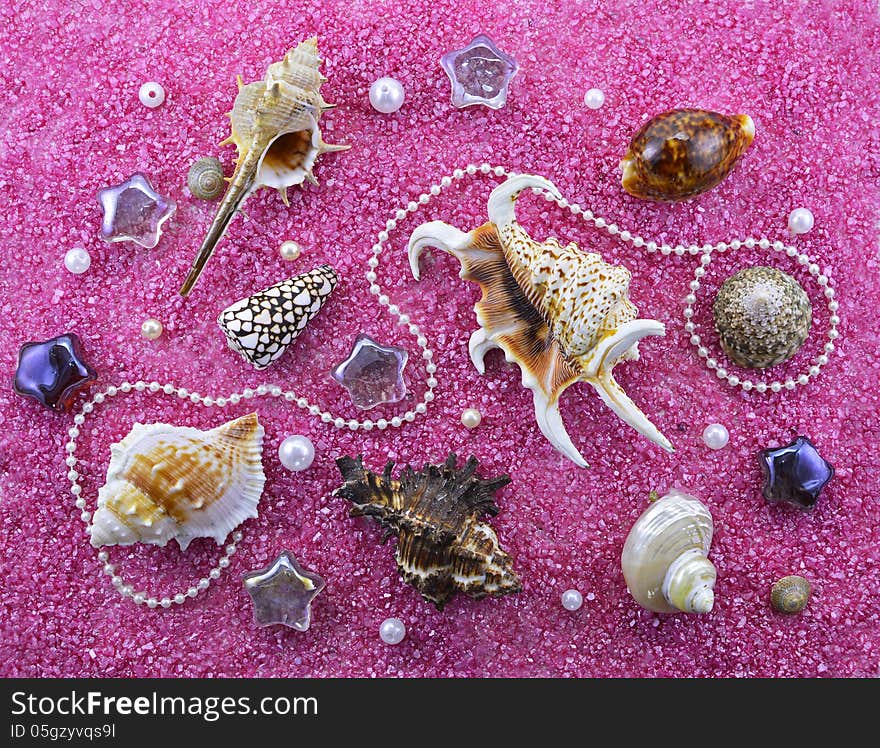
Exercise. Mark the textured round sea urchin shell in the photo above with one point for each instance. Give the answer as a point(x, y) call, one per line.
point(205, 178)
point(762, 316)
point(790, 595)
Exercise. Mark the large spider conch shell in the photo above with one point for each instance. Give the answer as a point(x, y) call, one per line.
point(664, 557)
point(275, 128)
point(177, 482)
point(561, 314)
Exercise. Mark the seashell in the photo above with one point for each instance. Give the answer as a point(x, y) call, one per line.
point(790, 595)
point(762, 316)
point(177, 482)
point(664, 557)
point(275, 129)
point(260, 327)
point(205, 178)
point(683, 153)
point(442, 547)
point(561, 314)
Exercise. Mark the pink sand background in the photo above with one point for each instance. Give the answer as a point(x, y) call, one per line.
point(71, 123)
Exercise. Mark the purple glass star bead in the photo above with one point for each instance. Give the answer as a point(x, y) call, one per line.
point(283, 593)
point(794, 474)
point(134, 211)
point(53, 372)
point(372, 373)
point(480, 73)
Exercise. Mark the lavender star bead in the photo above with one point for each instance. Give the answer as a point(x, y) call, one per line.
point(480, 73)
point(372, 373)
point(134, 211)
point(53, 372)
point(794, 474)
point(282, 593)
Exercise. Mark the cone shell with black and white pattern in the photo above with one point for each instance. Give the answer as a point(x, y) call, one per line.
point(260, 327)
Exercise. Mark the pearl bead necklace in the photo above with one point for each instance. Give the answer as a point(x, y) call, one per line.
point(403, 320)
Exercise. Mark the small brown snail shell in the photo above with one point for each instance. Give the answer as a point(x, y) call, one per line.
point(205, 178)
point(762, 316)
point(684, 152)
point(790, 595)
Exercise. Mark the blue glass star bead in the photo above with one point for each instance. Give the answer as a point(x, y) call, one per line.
point(794, 474)
point(372, 373)
point(480, 73)
point(282, 593)
point(134, 211)
point(53, 372)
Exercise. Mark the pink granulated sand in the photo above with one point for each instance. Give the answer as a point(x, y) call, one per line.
point(808, 74)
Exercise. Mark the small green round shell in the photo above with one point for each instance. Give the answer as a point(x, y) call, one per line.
point(790, 595)
point(205, 178)
point(762, 316)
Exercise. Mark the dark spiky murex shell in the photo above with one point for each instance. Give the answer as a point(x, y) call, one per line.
point(442, 546)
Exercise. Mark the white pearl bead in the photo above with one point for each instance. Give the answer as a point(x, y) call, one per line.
point(572, 600)
point(594, 98)
point(471, 418)
point(151, 94)
point(800, 221)
point(151, 329)
point(77, 260)
point(386, 95)
point(392, 631)
point(290, 250)
point(716, 436)
point(296, 452)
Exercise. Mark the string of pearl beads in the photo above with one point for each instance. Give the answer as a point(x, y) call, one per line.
point(403, 320)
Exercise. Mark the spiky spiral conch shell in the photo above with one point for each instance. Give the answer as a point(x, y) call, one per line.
point(442, 546)
point(581, 296)
point(274, 127)
point(665, 557)
point(175, 482)
point(562, 315)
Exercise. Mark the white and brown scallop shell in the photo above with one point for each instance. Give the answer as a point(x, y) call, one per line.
point(175, 482)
